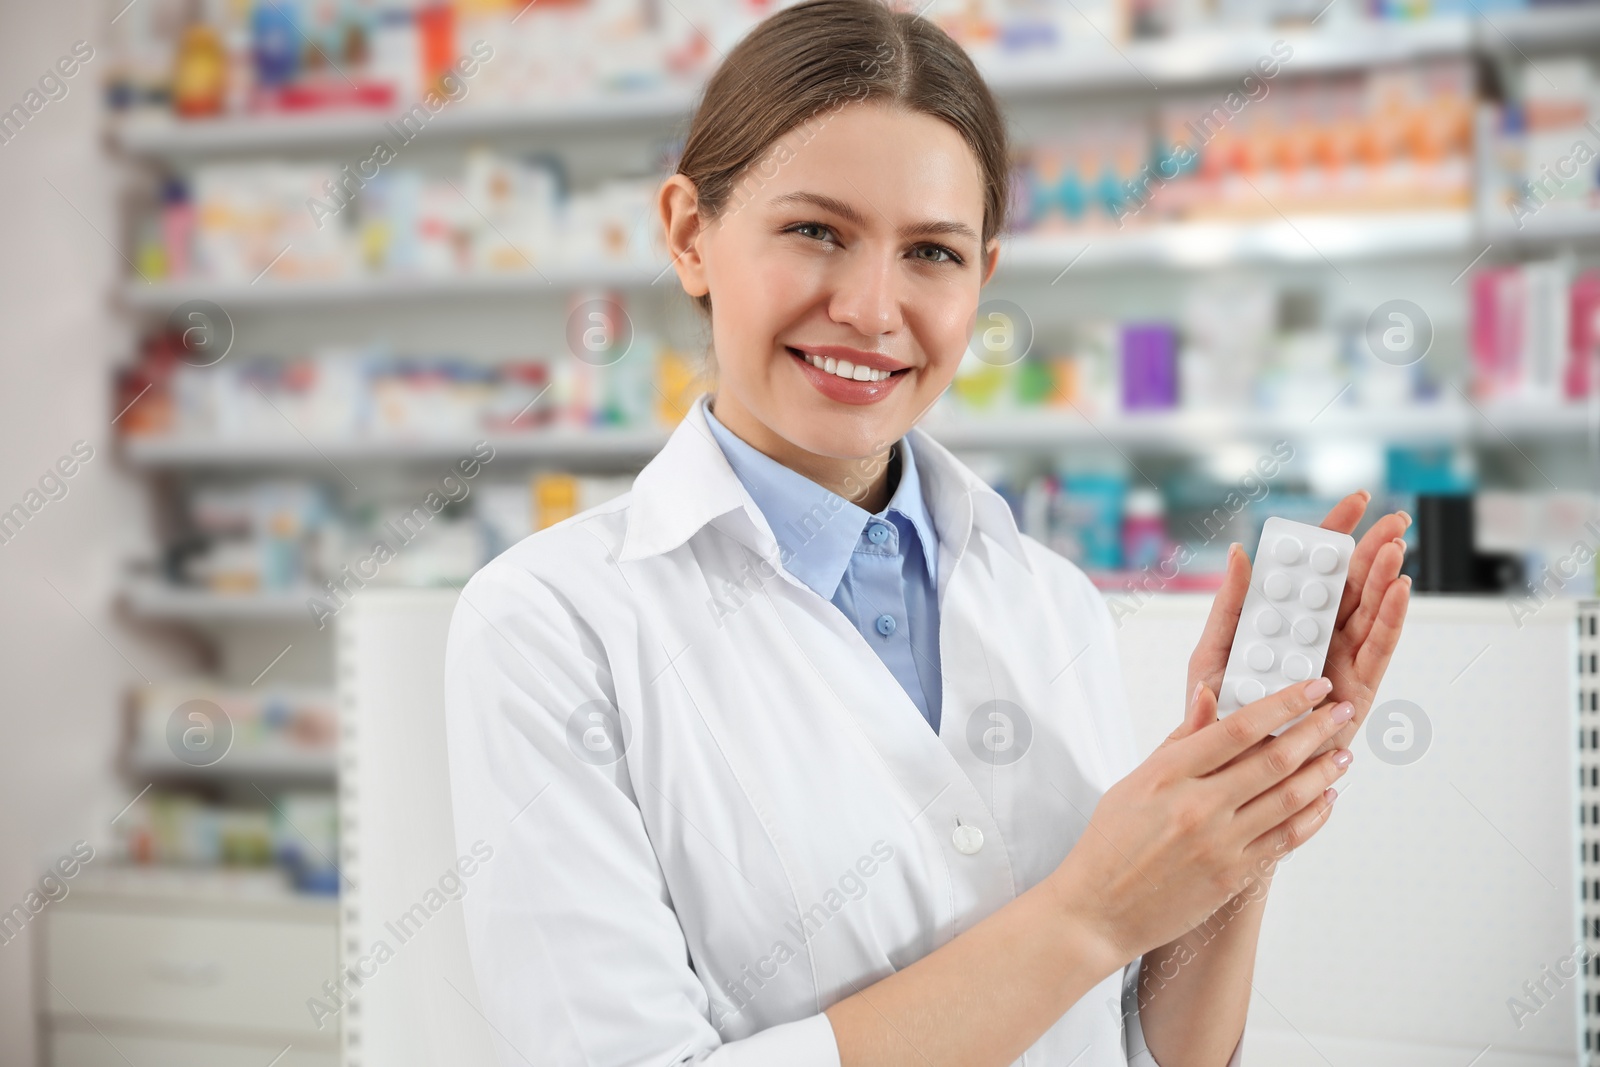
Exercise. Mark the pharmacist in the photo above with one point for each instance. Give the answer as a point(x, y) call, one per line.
point(800, 753)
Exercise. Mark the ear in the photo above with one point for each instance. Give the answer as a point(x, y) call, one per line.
point(678, 204)
point(992, 256)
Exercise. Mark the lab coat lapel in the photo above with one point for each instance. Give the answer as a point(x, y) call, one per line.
point(927, 767)
point(688, 485)
point(998, 656)
point(988, 649)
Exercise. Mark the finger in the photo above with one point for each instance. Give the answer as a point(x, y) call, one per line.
point(1346, 514)
point(1385, 569)
point(1373, 658)
point(1386, 529)
point(1233, 733)
point(1291, 795)
point(1210, 656)
point(1194, 715)
point(1278, 842)
point(1203, 708)
point(1241, 757)
point(1284, 755)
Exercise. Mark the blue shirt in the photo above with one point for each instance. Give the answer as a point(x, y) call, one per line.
point(880, 570)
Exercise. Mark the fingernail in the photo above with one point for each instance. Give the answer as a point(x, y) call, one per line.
point(1406, 515)
point(1366, 494)
point(1343, 757)
point(1330, 794)
point(1194, 697)
point(1318, 688)
point(1343, 711)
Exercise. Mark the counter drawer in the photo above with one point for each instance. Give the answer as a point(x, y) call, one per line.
point(190, 970)
point(88, 1049)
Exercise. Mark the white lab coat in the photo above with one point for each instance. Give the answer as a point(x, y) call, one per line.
point(714, 812)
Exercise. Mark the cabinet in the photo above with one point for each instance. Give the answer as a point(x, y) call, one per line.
point(1393, 939)
point(177, 971)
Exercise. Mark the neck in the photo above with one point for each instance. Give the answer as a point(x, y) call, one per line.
point(865, 481)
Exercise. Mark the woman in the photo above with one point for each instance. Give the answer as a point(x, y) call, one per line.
point(799, 752)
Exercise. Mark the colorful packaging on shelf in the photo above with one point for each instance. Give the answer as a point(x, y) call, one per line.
point(1532, 332)
point(278, 222)
point(251, 220)
point(1149, 366)
point(1144, 529)
point(1087, 524)
point(287, 721)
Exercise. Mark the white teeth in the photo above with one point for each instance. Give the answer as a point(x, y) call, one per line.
point(845, 369)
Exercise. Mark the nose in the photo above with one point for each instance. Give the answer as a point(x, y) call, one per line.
point(867, 292)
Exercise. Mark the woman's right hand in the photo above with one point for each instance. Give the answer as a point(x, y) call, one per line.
point(1172, 841)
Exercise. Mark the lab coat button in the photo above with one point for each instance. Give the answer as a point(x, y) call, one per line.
point(878, 534)
point(886, 624)
point(967, 839)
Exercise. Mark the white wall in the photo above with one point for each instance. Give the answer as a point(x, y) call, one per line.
point(1396, 936)
point(62, 673)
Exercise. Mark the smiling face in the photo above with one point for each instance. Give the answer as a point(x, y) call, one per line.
point(860, 244)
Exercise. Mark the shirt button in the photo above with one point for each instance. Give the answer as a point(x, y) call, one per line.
point(878, 533)
point(886, 624)
point(967, 839)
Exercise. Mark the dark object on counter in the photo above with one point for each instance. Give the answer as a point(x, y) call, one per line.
point(1444, 558)
point(1498, 572)
point(1445, 555)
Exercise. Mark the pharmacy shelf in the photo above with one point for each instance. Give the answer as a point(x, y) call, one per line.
point(1558, 27)
point(556, 443)
point(1205, 57)
point(1223, 54)
point(1186, 431)
point(266, 890)
point(1310, 238)
point(162, 136)
point(267, 293)
point(1551, 227)
point(153, 599)
point(274, 763)
point(1025, 429)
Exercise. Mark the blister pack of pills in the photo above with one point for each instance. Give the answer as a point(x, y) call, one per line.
point(1295, 586)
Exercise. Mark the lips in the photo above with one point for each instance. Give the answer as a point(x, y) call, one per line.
point(854, 356)
point(840, 364)
point(846, 390)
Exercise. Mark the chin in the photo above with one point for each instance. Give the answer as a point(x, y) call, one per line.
point(861, 436)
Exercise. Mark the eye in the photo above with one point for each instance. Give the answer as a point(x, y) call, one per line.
point(950, 255)
point(797, 227)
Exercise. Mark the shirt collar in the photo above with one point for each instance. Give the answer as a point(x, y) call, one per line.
point(690, 484)
point(817, 529)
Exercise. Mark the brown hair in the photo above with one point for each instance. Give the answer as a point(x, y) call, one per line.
point(809, 60)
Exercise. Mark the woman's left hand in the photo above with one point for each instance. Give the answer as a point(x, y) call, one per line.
point(1366, 629)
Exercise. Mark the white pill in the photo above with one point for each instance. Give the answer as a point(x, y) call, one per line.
point(1289, 612)
point(1296, 667)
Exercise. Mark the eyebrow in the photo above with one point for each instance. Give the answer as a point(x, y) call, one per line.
point(926, 228)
